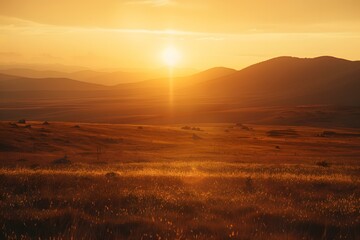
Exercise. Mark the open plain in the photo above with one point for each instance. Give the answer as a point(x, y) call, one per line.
point(198, 181)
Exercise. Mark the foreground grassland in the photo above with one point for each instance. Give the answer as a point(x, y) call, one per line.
point(208, 181)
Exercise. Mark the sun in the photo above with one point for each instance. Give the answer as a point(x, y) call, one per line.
point(171, 56)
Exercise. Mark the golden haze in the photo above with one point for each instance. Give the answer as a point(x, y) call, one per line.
point(133, 33)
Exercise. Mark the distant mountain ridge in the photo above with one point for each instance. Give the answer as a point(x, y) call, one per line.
point(89, 76)
point(180, 82)
point(278, 81)
point(16, 83)
point(322, 91)
point(108, 78)
point(295, 80)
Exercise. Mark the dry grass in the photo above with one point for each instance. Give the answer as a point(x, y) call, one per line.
point(159, 183)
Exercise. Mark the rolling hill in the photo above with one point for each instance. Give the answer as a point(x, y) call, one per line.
point(32, 73)
point(159, 85)
point(15, 83)
point(289, 80)
point(90, 76)
point(102, 77)
point(284, 90)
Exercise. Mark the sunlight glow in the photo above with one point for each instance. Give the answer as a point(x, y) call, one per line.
point(171, 56)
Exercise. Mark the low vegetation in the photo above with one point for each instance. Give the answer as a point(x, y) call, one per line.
point(160, 183)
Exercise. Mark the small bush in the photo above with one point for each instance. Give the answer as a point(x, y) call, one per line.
point(243, 127)
point(323, 164)
point(111, 175)
point(196, 137)
point(249, 184)
point(63, 160)
point(13, 125)
point(327, 134)
point(22, 121)
point(34, 166)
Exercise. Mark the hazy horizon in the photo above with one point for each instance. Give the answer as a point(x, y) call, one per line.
point(134, 33)
point(180, 71)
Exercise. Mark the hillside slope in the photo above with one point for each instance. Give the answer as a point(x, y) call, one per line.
point(289, 80)
point(15, 83)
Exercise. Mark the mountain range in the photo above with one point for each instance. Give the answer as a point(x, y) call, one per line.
point(107, 78)
point(218, 93)
point(285, 80)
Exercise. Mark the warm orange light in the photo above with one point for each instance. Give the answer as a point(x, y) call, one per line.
point(171, 56)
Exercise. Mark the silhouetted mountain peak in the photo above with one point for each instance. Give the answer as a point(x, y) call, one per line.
point(215, 72)
point(290, 59)
point(319, 80)
point(329, 58)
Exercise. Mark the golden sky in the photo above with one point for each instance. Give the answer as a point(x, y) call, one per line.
point(207, 33)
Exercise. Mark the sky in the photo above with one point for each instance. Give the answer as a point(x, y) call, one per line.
point(133, 34)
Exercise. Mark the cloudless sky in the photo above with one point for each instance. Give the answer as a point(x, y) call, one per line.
point(207, 33)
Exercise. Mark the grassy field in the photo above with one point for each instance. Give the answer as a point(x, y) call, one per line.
point(206, 181)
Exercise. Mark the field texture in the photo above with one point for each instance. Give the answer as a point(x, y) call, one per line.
point(207, 181)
